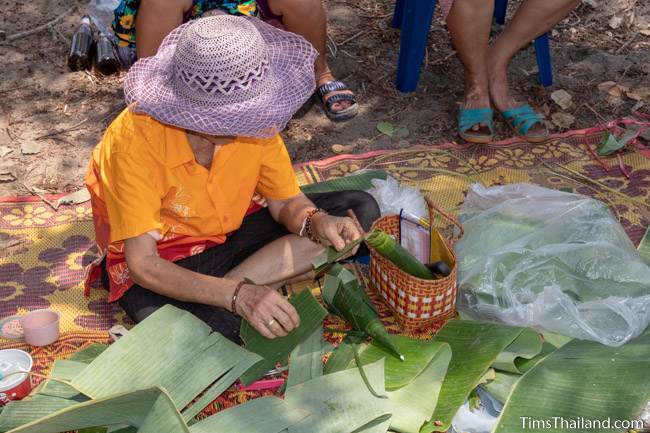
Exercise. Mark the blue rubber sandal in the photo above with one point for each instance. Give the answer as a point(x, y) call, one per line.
point(521, 119)
point(470, 117)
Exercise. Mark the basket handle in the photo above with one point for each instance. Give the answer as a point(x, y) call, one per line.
point(432, 207)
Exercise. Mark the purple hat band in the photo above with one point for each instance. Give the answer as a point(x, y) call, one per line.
point(224, 75)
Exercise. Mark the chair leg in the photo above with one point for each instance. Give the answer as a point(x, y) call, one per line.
point(398, 14)
point(416, 21)
point(500, 9)
point(543, 54)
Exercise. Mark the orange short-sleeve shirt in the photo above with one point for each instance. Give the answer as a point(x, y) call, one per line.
point(143, 177)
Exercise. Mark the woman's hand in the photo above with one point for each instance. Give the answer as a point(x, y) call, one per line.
point(260, 200)
point(337, 231)
point(266, 310)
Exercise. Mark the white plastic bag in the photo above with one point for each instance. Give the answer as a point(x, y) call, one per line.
point(560, 262)
point(391, 198)
point(478, 420)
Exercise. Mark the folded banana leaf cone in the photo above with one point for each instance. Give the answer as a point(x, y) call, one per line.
point(345, 298)
point(390, 248)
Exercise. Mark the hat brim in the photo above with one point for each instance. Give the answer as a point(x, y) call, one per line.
point(286, 86)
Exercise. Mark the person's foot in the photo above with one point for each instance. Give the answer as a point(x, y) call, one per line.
point(477, 95)
point(500, 92)
point(325, 78)
point(475, 115)
point(337, 99)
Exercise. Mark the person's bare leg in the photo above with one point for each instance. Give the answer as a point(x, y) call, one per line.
point(278, 262)
point(469, 23)
point(154, 21)
point(533, 18)
point(307, 18)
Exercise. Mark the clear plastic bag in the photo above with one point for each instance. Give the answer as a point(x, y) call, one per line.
point(557, 261)
point(101, 12)
point(393, 197)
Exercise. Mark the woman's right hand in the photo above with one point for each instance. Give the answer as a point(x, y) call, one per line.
point(266, 310)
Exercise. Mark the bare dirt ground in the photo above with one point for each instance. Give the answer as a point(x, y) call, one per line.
point(50, 119)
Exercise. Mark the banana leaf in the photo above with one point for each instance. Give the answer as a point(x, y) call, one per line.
point(171, 349)
point(307, 359)
point(342, 357)
point(644, 247)
point(557, 340)
point(62, 370)
point(346, 298)
point(390, 248)
point(341, 402)
point(474, 347)
point(412, 386)
point(361, 181)
point(414, 403)
point(525, 347)
point(523, 365)
point(50, 397)
point(501, 386)
point(582, 379)
point(261, 415)
point(150, 410)
point(89, 353)
point(277, 350)
point(18, 413)
point(380, 425)
point(327, 258)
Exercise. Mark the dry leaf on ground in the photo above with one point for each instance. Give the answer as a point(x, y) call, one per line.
point(76, 197)
point(7, 175)
point(616, 21)
point(613, 88)
point(343, 148)
point(563, 120)
point(30, 147)
point(562, 98)
point(639, 94)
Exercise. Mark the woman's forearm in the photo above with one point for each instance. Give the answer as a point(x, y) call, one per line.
point(292, 212)
point(168, 279)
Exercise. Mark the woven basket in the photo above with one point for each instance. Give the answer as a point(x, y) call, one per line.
point(416, 303)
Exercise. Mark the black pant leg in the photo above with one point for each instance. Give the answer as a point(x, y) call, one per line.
point(361, 203)
point(139, 303)
point(337, 203)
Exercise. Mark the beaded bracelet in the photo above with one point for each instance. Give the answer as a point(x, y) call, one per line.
point(309, 226)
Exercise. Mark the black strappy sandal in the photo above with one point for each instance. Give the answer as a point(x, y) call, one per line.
point(333, 86)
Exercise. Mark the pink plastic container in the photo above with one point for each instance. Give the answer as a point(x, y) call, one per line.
point(40, 327)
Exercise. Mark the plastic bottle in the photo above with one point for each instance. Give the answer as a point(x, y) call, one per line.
point(82, 42)
point(106, 61)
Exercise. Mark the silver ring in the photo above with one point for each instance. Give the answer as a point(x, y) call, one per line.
point(270, 322)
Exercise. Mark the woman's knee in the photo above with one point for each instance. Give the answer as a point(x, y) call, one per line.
point(364, 206)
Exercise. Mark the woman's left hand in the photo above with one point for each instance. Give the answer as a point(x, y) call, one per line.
point(336, 231)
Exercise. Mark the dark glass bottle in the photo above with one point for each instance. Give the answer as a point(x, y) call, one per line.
point(106, 61)
point(82, 42)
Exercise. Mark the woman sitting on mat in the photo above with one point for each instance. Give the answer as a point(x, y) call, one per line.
point(486, 79)
point(172, 180)
point(156, 18)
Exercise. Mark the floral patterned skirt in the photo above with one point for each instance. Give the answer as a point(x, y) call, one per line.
point(126, 13)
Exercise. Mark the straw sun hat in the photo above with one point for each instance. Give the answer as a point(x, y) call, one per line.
point(224, 75)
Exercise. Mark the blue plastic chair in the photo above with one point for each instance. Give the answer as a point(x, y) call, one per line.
point(414, 18)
